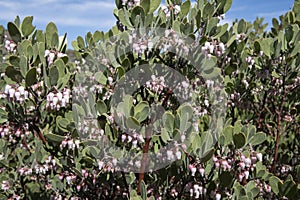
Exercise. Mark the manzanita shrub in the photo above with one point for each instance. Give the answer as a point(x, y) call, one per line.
point(168, 104)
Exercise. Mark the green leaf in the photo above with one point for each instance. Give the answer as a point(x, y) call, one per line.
point(185, 7)
point(289, 33)
point(51, 29)
point(241, 26)
point(62, 123)
point(23, 65)
point(143, 190)
point(3, 116)
point(31, 77)
point(26, 27)
point(239, 140)
point(137, 11)
point(33, 188)
point(14, 32)
point(146, 5)
point(168, 121)
point(227, 5)
point(225, 179)
point(296, 49)
point(165, 135)
point(80, 42)
point(274, 183)
point(154, 4)
point(54, 137)
point(207, 155)
point(132, 123)
point(14, 61)
point(53, 75)
point(100, 78)
point(208, 10)
point(13, 74)
point(124, 18)
point(258, 138)
point(228, 133)
point(288, 189)
point(141, 111)
point(101, 107)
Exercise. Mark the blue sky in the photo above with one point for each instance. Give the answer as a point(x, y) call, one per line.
point(77, 17)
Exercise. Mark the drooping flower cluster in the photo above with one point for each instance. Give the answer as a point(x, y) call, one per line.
point(170, 8)
point(57, 100)
point(70, 144)
point(250, 61)
point(240, 37)
point(16, 93)
point(132, 139)
point(52, 54)
point(157, 84)
point(10, 46)
point(243, 164)
point(130, 3)
point(213, 48)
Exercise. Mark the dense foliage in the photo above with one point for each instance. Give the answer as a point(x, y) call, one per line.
point(168, 104)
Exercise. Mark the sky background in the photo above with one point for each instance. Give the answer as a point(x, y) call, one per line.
point(77, 17)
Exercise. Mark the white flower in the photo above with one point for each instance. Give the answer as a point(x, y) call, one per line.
point(17, 95)
point(178, 155)
point(60, 55)
point(246, 173)
point(21, 90)
point(59, 96)
point(7, 88)
point(100, 164)
point(170, 155)
point(193, 170)
point(123, 138)
point(110, 80)
point(207, 45)
point(55, 100)
point(47, 52)
point(211, 48)
point(206, 102)
point(247, 162)
point(11, 92)
point(134, 143)
point(259, 156)
point(222, 47)
point(202, 171)
point(218, 196)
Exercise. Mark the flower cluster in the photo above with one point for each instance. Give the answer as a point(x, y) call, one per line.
point(197, 190)
point(38, 88)
point(157, 84)
point(242, 163)
point(10, 46)
point(213, 48)
point(52, 54)
point(140, 43)
point(14, 132)
point(57, 100)
point(70, 144)
point(240, 37)
point(250, 61)
point(5, 185)
point(172, 42)
point(130, 3)
point(16, 93)
point(132, 139)
point(171, 8)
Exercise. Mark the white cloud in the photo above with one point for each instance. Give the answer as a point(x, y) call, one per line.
point(271, 14)
point(70, 13)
